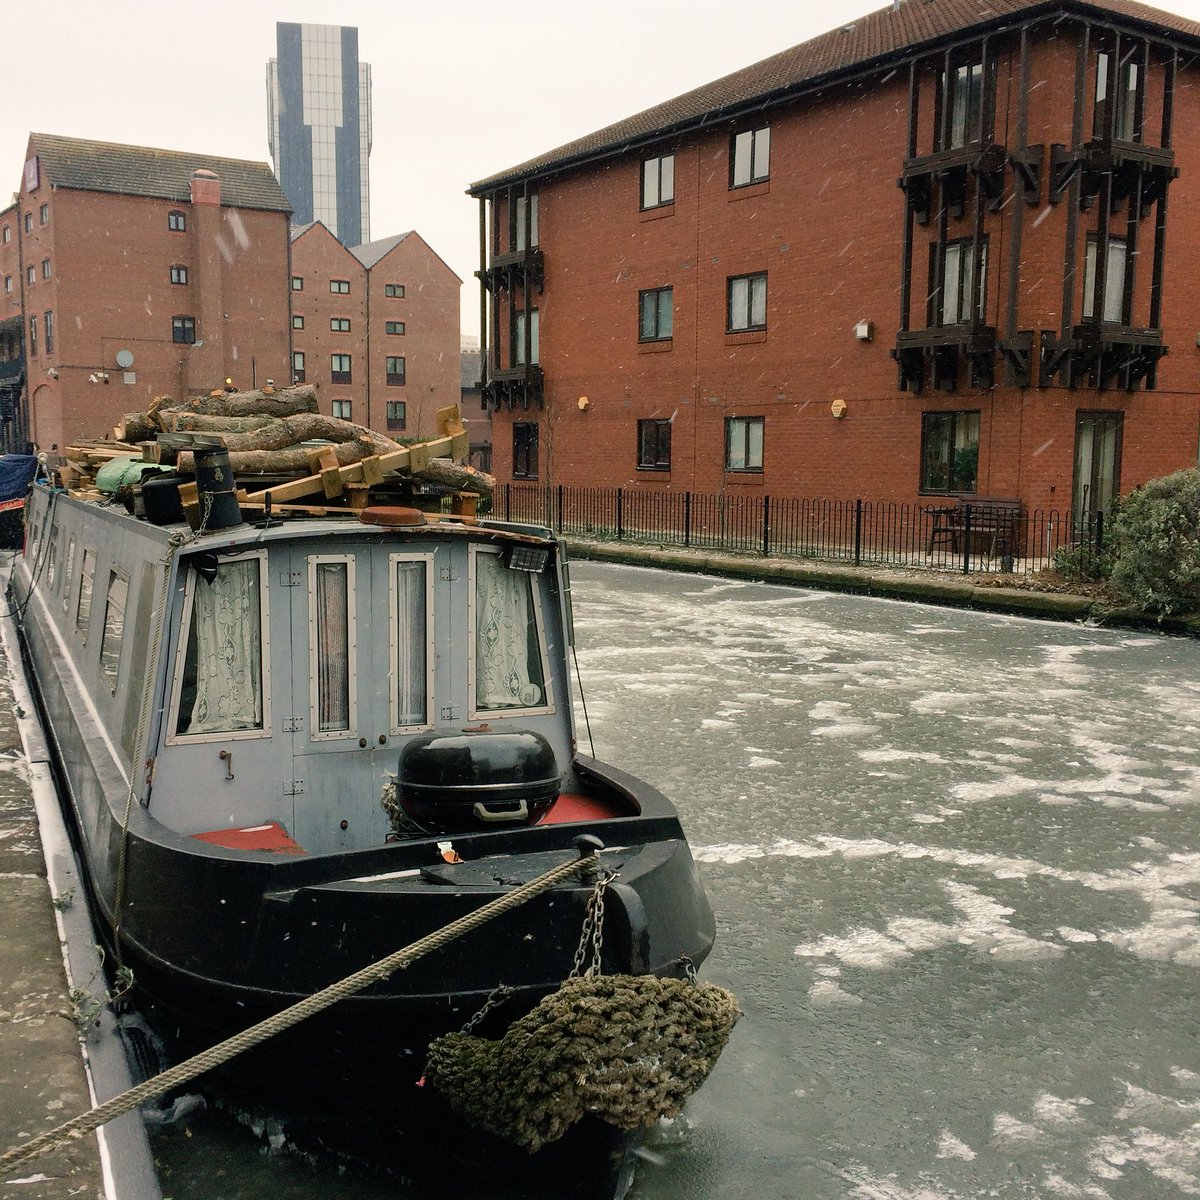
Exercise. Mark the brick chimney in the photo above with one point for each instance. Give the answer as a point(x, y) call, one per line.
point(206, 188)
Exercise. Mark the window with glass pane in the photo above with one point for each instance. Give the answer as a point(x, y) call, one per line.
point(394, 370)
point(966, 104)
point(1120, 92)
point(747, 302)
point(525, 337)
point(952, 299)
point(48, 322)
point(410, 693)
point(297, 366)
point(87, 575)
point(114, 627)
point(333, 652)
point(744, 443)
point(525, 450)
point(339, 368)
point(221, 688)
point(396, 413)
point(341, 409)
point(655, 314)
point(508, 657)
point(658, 181)
point(949, 451)
point(750, 157)
point(1113, 284)
point(52, 558)
point(654, 445)
point(525, 225)
point(68, 574)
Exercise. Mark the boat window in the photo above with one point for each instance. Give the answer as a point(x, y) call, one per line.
point(68, 571)
point(52, 558)
point(332, 644)
point(411, 629)
point(114, 626)
point(509, 663)
point(221, 689)
point(83, 614)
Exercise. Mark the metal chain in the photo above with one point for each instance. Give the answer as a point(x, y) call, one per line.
point(593, 931)
point(500, 993)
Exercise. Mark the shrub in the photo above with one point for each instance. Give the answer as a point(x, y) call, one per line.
point(1157, 545)
point(1084, 561)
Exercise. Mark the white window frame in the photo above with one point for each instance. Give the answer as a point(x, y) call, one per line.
point(316, 733)
point(474, 713)
point(394, 560)
point(264, 614)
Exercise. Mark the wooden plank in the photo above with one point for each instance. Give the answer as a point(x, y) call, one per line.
point(331, 482)
point(372, 471)
point(418, 456)
point(449, 420)
point(396, 460)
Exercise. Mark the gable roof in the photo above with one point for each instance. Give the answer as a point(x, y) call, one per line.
point(871, 41)
point(369, 253)
point(80, 164)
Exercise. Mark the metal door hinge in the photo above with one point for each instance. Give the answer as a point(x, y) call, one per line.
point(291, 578)
point(448, 576)
point(450, 712)
point(293, 787)
point(293, 724)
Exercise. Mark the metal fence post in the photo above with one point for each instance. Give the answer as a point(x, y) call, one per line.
point(687, 518)
point(508, 501)
point(858, 509)
point(966, 539)
point(620, 513)
point(560, 508)
point(766, 528)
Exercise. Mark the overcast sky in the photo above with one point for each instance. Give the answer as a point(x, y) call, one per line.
point(462, 88)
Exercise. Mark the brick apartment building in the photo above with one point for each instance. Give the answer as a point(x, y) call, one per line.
point(376, 327)
point(730, 293)
point(130, 273)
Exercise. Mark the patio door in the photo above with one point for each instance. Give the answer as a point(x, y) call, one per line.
point(1097, 466)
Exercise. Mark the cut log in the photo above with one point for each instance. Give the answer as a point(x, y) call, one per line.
point(288, 460)
point(135, 427)
point(458, 476)
point(308, 427)
point(189, 422)
point(283, 402)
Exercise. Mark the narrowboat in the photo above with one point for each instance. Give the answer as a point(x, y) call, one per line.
point(289, 747)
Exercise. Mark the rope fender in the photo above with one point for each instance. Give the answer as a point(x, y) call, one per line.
point(629, 1049)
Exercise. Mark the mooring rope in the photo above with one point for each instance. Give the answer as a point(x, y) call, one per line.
point(248, 1038)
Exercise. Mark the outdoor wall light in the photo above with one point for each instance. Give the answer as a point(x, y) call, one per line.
point(864, 331)
point(584, 404)
point(838, 408)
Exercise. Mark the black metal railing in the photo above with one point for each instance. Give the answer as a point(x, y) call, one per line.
point(960, 536)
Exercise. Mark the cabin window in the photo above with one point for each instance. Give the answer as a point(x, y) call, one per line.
point(509, 665)
point(412, 626)
point(68, 571)
point(114, 626)
point(87, 573)
point(52, 558)
point(221, 684)
point(332, 645)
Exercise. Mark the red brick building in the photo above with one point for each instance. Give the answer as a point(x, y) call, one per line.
point(730, 293)
point(131, 273)
point(376, 328)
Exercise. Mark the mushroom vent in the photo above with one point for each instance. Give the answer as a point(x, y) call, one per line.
point(454, 781)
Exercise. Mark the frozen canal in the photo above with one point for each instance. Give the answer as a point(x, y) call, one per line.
point(956, 864)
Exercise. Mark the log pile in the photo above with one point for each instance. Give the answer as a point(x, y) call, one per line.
point(295, 451)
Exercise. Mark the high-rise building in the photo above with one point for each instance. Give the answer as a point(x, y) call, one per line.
point(319, 127)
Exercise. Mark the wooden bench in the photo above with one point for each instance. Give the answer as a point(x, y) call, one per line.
point(996, 525)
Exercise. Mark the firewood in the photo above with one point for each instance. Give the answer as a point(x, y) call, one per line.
point(459, 476)
point(284, 402)
point(284, 461)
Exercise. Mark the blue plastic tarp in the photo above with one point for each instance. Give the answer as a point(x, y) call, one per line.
point(16, 474)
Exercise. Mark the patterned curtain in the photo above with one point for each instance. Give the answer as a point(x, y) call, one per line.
point(508, 670)
point(226, 637)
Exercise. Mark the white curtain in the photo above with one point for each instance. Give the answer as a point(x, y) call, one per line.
point(333, 655)
point(410, 643)
point(507, 664)
point(226, 639)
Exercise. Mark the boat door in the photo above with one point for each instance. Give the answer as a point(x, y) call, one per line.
point(364, 672)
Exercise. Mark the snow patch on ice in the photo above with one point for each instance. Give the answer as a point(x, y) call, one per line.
point(951, 1147)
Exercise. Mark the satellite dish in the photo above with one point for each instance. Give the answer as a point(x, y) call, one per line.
point(124, 359)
